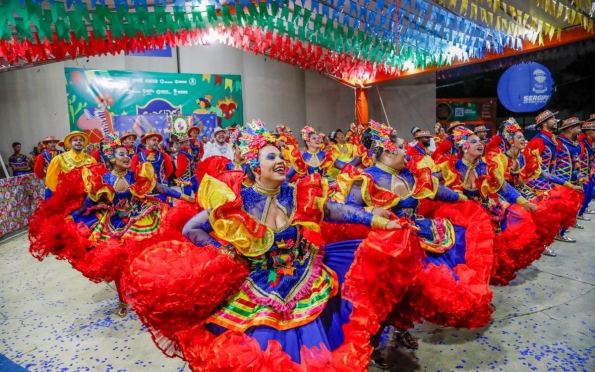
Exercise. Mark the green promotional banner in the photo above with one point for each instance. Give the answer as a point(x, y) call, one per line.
point(96, 96)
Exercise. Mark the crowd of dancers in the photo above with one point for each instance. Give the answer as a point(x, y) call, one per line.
point(278, 257)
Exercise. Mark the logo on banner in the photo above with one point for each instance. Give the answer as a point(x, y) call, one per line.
point(158, 106)
point(525, 87)
point(192, 81)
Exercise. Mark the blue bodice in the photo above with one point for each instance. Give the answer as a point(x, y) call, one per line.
point(568, 162)
point(307, 156)
point(157, 165)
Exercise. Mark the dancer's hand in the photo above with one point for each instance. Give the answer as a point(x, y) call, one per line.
point(381, 212)
point(578, 188)
point(188, 199)
point(530, 207)
point(393, 225)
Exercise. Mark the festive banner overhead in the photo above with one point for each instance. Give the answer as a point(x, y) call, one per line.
point(351, 40)
point(119, 101)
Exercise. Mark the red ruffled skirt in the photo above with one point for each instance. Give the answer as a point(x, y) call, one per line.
point(454, 291)
point(174, 287)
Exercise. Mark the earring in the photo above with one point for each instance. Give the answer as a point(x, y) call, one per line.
point(256, 170)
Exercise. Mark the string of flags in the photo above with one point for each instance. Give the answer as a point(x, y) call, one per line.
point(349, 39)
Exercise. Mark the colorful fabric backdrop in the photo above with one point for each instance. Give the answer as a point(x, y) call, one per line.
point(96, 96)
point(18, 198)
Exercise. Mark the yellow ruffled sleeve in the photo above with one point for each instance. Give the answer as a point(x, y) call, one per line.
point(234, 225)
point(52, 173)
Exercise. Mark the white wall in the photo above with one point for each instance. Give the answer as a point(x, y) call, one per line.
point(329, 105)
point(409, 102)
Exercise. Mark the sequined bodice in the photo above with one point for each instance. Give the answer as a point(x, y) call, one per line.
point(307, 156)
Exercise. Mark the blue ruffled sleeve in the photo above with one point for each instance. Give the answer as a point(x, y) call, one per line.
point(164, 190)
point(509, 193)
point(446, 194)
point(344, 213)
point(197, 230)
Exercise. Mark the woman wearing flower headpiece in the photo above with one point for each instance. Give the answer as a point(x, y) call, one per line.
point(347, 153)
point(314, 159)
point(556, 205)
point(484, 181)
point(264, 290)
point(452, 289)
point(117, 210)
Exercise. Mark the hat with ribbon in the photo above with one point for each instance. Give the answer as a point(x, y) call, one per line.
point(50, 139)
point(128, 134)
point(76, 133)
point(569, 123)
point(544, 116)
point(423, 134)
point(150, 135)
point(217, 130)
point(480, 128)
point(453, 125)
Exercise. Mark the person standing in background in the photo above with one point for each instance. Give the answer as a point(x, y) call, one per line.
point(18, 163)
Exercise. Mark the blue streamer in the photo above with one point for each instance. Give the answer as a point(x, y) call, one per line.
point(406, 3)
point(315, 6)
point(434, 14)
point(325, 11)
point(424, 9)
point(442, 16)
point(336, 15)
point(380, 5)
point(366, 27)
point(341, 4)
point(346, 19)
point(356, 23)
point(363, 13)
point(382, 22)
point(391, 11)
point(352, 7)
point(401, 15)
point(419, 22)
point(139, 3)
point(372, 17)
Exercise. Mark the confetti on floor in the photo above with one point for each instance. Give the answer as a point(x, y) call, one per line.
point(53, 319)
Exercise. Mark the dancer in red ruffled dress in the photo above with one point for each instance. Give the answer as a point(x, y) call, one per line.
point(117, 212)
point(256, 288)
point(453, 287)
point(554, 209)
point(484, 182)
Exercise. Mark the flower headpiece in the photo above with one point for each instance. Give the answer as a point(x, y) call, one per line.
point(108, 147)
point(437, 127)
point(509, 128)
point(381, 134)
point(307, 132)
point(255, 136)
point(234, 135)
point(460, 135)
point(281, 128)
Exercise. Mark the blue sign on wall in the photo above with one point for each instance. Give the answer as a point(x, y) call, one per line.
point(526, 87)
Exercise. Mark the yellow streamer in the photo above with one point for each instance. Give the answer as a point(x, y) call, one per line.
point(464, 5)
point(560, 10)
point(474, 11)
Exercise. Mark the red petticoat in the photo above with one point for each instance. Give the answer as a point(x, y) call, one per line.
point(464, 303)
point(514, 248)
point(48, 233)
point(174, 287)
